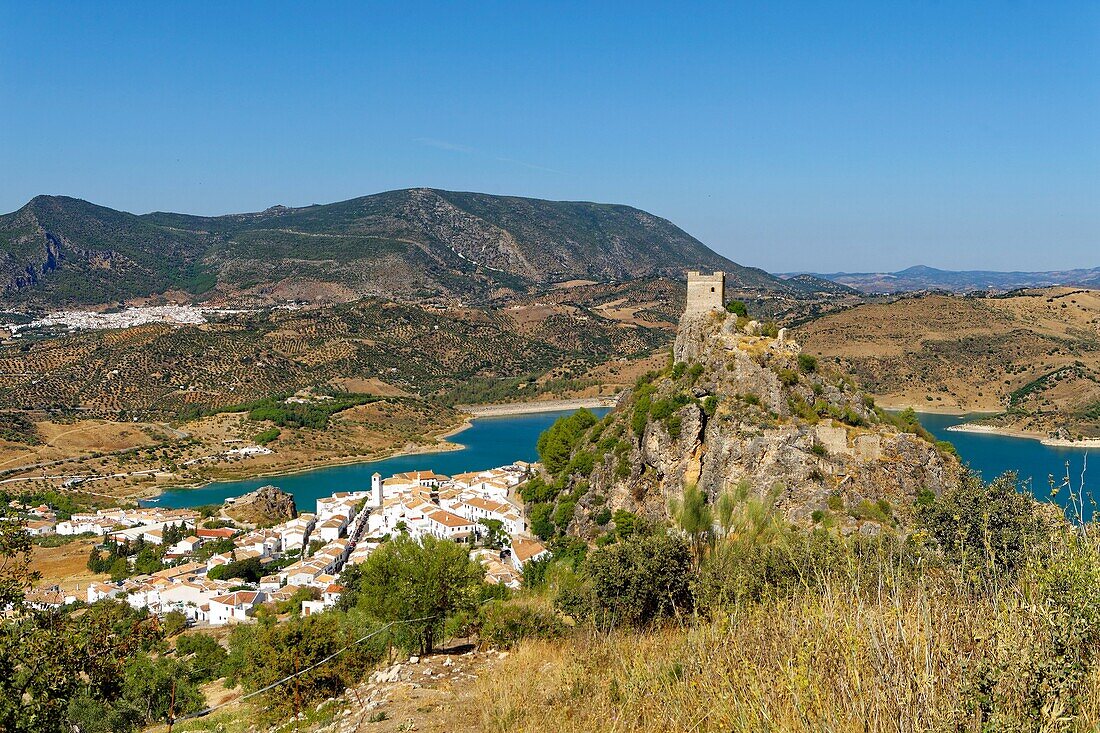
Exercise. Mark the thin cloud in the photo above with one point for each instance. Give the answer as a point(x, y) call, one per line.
point(432, 142)
point(532, 166)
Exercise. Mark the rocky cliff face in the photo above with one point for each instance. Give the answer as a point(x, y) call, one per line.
point(742, 414)
point(266, 505)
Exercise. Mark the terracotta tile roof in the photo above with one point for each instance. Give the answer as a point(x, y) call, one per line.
point(446, 518)
point(524, 549)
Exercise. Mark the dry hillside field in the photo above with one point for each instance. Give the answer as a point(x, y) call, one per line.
point(1034, 357)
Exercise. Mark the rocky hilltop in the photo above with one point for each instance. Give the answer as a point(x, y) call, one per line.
point(266, 505)
point(749, 415)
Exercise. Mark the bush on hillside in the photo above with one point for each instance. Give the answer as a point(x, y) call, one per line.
point(418, 585)
point(556, 444)
point(505, 623)
point(987, 530)
point(635, 582)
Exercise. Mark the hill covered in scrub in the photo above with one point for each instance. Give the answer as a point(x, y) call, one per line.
point(452, 355)
point(1033, 357)
point(413, 243)
point(739, 417)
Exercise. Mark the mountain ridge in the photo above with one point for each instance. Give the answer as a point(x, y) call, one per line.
point(923, 277)
point(415, 243)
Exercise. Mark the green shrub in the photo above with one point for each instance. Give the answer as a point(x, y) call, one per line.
point(205, 654)
point(807, 362)
point(634, 583)
point(506, 623)
point(987, 530)
point(737, 308)
point(541, 523)
point(563, 515)
point(556, 444)
point(879, 511)
point(266, 436)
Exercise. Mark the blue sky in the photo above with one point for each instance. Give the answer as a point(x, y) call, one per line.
point(789, 136)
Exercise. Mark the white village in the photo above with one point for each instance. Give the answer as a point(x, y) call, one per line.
point(301, 558)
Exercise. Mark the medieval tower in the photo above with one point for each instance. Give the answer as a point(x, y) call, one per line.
point(705, 292)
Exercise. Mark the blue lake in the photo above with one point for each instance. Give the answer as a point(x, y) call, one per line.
point(1034, 462)
point(497, 441)
point(488, 443)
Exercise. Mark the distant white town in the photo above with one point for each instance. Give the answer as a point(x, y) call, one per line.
point(307, 552)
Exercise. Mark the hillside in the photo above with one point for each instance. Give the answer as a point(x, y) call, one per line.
point(920, 277)
point(453, 355)
point(73, 396)
point(409, 244)
point(743, 417)
point(1033, 357)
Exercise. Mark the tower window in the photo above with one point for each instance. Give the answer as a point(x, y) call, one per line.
point(712, 290)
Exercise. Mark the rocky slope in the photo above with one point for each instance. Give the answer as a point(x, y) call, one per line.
point(414, 243)
point(266, 505)
point(743, 414)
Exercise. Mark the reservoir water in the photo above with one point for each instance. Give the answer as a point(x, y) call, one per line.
point(488, 443)
point(497, 441)
point(1034, 462)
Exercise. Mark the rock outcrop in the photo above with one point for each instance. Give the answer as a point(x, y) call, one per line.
point(743, 414)
point(266, 505)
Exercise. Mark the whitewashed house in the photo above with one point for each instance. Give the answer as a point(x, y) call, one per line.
point(234, 607)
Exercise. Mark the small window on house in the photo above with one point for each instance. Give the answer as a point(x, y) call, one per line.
point(712, 290)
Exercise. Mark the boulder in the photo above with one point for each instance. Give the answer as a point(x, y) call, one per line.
point(266, 505)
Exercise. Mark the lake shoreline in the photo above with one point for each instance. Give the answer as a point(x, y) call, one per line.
point(442, 445)
point(501, 409)
point(931, 409)
point(970, 427)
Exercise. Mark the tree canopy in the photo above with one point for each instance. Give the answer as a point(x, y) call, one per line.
point(404, 579)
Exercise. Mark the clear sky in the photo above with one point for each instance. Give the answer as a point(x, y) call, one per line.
point(789, 136)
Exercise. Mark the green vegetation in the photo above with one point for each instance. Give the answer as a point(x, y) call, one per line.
point(16, 427)
point(737, 308)
point(313, 415)
point(418, 583)
point(266, 436)
point(633, 583)
point(556, 444)
point(249, 570)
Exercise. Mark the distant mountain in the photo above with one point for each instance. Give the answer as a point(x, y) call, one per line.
point(964, 281)
point(414, 243)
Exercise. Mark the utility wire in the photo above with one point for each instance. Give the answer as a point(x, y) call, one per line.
point(330, 657)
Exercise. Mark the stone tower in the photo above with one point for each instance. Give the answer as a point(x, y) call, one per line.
point(705, 292)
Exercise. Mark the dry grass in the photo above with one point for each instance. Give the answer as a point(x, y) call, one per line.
point(950, 353)
point(66, 566)
point(896, 659)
